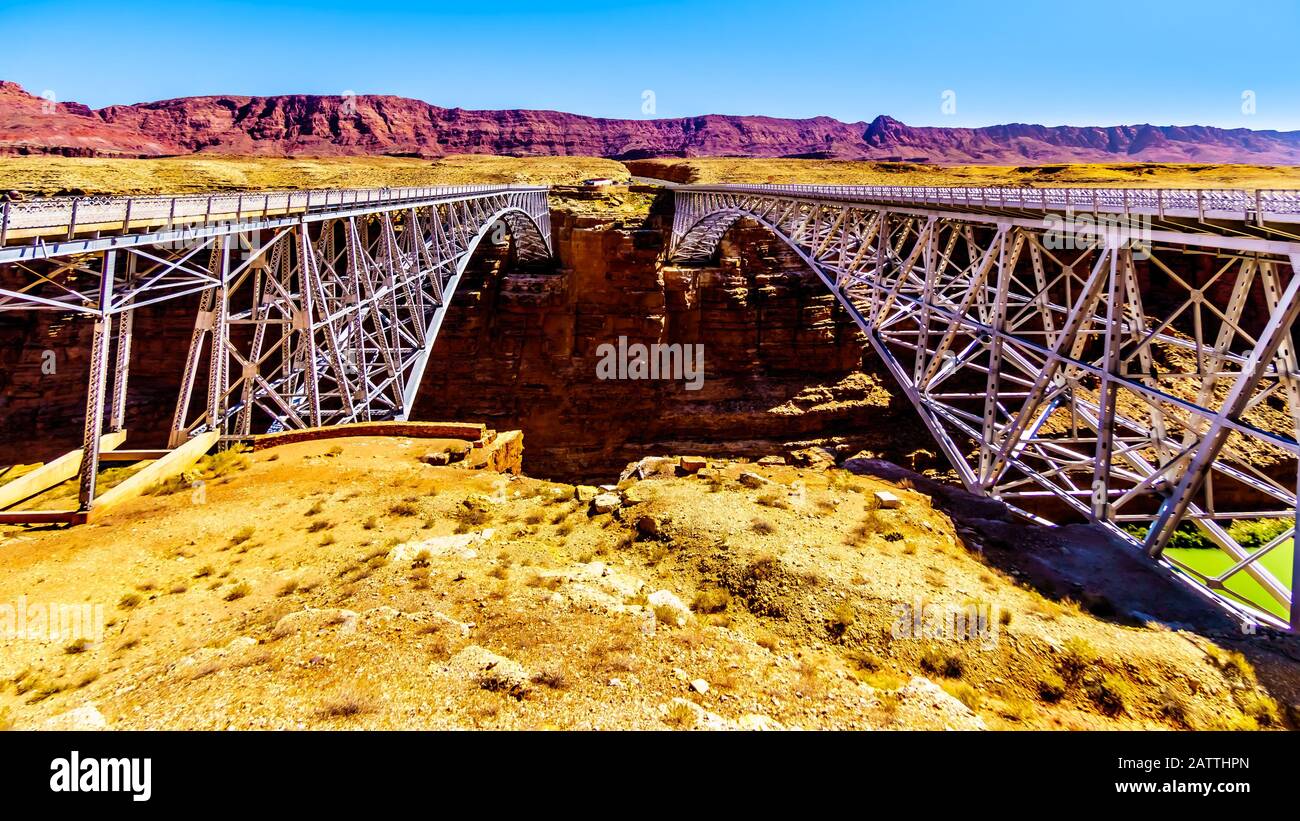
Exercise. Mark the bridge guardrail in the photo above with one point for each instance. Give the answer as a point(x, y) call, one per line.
point(1279, 205)
point(71, 212)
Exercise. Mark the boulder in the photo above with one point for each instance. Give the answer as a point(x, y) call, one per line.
point(668, 608)
point(647, 467)
point(606, 503)
point(456, 544)
point(649, 525)
point(817, 458)
point(692, 464)
point(886, 500)
point(750, 479)
point(584, 493)
point(489, 671)
point(772, 460)
point(315, 619)
point(436, 457)
point(924, 705)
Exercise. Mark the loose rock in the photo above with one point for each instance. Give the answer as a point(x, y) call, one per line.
point(606, 503)
point(749, 479)
point(86, 717)
point(668, 608)
point(490, 671)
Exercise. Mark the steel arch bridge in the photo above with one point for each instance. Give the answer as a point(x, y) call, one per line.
point(315, 307)
point(1123, 356)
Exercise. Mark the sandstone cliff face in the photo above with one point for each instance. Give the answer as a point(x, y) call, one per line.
point(297, 125)
point(784, 366)
point(33, 125)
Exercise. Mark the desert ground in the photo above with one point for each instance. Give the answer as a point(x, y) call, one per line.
point(348, 584)
point(51, 176)
point(833, 172)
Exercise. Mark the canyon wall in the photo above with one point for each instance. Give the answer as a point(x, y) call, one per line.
point(784, 365)
point(373, 124)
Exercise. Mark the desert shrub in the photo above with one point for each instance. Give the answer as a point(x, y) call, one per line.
point(679, 716)
point(1261, 708)
point(215, 466)
point(711, 600)
point(1077, 655)
point(964, 693)
point(468, 518)
point(762, 527)
point(552, 677)
point(239, 591)
point(128, 601)
point(346, 704)
point(841, 618)
point(1174, 706)
point(942, 663)
point(1232, 662)
point(243, 534)
point(1111, 693)
point(863, 660)
point(774, 498)
point(764, 566)
point(406, 507)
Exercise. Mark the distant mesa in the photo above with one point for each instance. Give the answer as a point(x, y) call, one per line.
point(307, 125)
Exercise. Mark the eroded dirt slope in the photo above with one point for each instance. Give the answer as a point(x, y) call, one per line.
point(347, 584)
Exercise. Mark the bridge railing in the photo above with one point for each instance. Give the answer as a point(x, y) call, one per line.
point(1279, 205)
point(105, 213)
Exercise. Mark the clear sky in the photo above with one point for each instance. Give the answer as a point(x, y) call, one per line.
point(1089, 62)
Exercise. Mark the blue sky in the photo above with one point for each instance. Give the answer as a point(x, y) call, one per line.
point(1099, 62)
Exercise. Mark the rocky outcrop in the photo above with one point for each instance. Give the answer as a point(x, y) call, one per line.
point(297, 124)
point(784, 366)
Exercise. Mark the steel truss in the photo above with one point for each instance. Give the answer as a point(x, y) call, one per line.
point(1145, 381)
point(321, 308)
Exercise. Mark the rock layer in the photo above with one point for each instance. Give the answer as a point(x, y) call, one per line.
point(297, 125)
point(784, 366)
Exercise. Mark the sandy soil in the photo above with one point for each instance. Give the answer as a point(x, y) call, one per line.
point(346, 584)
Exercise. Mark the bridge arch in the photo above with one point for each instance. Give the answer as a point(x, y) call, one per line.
point(1081, 397)
point(531, 237)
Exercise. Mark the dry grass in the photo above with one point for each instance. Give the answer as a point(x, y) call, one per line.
point(188, 175)
point(839, 172)
point(346, 703)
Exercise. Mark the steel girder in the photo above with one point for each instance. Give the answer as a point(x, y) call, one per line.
point(1146, 381)
point(320, 314)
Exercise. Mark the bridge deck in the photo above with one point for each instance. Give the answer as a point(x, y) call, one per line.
point(1226, 204)
point(72, 216)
